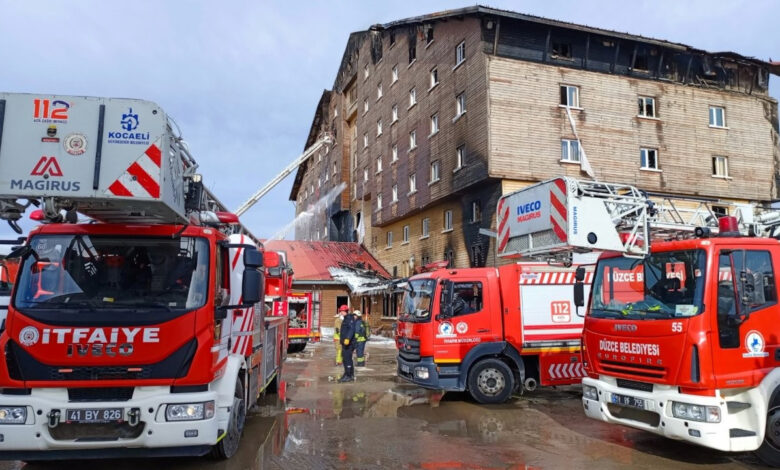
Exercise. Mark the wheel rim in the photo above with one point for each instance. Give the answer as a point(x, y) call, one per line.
point(772, 434)
point(491, 381)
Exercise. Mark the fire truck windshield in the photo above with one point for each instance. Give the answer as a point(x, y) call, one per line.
point(71, 274)
point(666, 284)
point(416, 306)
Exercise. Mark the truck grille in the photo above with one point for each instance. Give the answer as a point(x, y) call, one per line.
point(100, 394)
point(634, 385)
point(80, 432)
point(23, 366)
point(637, 370)
point(409, 349)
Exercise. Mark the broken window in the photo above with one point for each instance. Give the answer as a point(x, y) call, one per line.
point(720, 166)
point(392, 38)
point(720, 211)
point(429, 35)
point(412, 52)
point(561, 50)
point(640, 62)
point(476, 211)
point(646, 106)
point(570, 96)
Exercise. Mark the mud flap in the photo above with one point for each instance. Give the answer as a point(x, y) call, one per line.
point(560, 369)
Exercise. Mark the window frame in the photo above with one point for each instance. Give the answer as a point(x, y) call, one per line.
point(394, 113)
point(644, 154)
point(394, 74)
point(434, 124)
point(568, 144)
point(389, 237)
point(433, 78)
point(725, 160)
point(642, 111)
point(394, 193)
point(379, 91)
point(448, 223)
point(437, 172)
point(426, 227)
point(394, 153)
point(713, 117)
point(576, 89)
point(412, 139)
point(460, 53)
point(378, 127)
point(460, 105)
point(412, 183)
point(476, 211)
point(406, 233)
point(412, 97)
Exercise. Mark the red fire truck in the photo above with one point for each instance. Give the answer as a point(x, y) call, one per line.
point(141, 331)
point(304, 324)
point(490, 331)
point(680, 337)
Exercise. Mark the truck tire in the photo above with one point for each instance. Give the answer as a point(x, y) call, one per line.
point(228, 446)
point(769, 451)
point(491, 381)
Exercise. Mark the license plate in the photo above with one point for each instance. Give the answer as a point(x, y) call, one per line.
point(95, 415)
point(405, 368)
point(626, 400)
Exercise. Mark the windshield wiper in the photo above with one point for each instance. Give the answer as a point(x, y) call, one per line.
point(65, 305)
point(143, 305)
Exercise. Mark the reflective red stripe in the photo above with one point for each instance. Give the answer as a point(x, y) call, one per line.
point(154, 153)
point(118, 189)
point(144, 180)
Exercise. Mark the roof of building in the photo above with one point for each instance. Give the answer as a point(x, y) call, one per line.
point(314, 261)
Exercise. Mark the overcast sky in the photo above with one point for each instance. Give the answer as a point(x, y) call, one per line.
point(242, 79)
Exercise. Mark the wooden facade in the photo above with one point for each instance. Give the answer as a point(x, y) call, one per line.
point(512, 130)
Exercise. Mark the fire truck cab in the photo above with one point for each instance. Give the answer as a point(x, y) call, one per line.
point(490, 331)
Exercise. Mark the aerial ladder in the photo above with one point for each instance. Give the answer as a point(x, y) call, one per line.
point(325, 139)
point(554, 219)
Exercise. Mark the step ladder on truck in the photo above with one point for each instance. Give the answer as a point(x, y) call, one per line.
point(491, 331)
point(680, 337)
point(140, 332)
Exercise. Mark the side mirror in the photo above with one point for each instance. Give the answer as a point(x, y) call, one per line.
point(252, 257)
point(20, 252)
point(251, 288)
point(271, 259)
point(579, 274)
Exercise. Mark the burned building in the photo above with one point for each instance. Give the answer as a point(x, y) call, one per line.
point(435, 117)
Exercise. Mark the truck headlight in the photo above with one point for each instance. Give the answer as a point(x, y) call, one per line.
point(704, 414)
point(421, 372)
point(13, 414)
point(589, 392)
point(189, 411)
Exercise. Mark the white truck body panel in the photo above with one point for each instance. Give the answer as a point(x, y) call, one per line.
point(113, 168)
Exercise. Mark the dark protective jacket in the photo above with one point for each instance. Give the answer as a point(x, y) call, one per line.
point(348, 328)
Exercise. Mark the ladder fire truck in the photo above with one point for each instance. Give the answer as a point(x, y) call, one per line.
point(141, 331)
point(680, 337)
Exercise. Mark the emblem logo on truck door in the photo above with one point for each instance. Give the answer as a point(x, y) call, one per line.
point(29, 335)
point(446, 330)
point(754, 342)
point(462, 327)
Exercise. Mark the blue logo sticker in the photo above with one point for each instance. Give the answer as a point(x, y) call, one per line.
point(129, 120)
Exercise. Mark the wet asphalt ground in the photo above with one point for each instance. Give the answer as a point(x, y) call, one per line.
point(381, 422)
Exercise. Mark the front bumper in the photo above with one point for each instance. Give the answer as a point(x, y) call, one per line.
point(735, 432)
point(438, 377)
point(152, 436)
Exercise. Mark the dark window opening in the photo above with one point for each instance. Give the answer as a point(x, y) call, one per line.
point(640, 62)
point(429, 35)
point(395, 271)
point(392, 38)
point(412, 52)
point(561, 50)
point(450, 258)
point(720, 211)
point(476, 256)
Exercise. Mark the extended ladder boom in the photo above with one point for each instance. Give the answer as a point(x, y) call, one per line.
point(556, 218)
point(315, 147)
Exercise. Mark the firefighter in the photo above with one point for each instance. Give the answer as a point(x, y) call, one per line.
point(336, 332)
point(362, 333)
point(347, 338)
